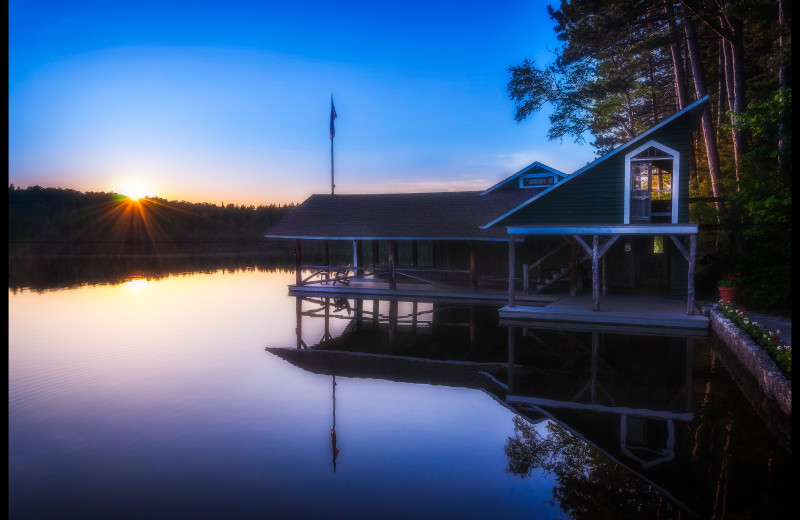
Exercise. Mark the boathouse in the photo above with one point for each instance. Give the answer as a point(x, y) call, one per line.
point(619, 223)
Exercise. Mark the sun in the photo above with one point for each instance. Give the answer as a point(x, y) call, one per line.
point(135, 189)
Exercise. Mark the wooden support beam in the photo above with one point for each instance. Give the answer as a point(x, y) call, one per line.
point(392, 260)
point(360, 258)
point(511, 348)
point(690, 257)
point(690, 290)
point(595, 273)
point(525, 279)
point(573, 268)
point(473, 266)
point(392, 322)
point(299, 328)
point(681, 248)
point(604, 288)
point(607, 245)
point(298, 250)
point(583, 244)
point(512, 296)
point(355, 258)
point(327, 258)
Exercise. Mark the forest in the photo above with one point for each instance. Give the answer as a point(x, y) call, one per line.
point(623, 66)
point(68, 217)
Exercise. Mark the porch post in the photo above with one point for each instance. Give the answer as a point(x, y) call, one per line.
point(327, 261)
point(573, 268)
point(511, 348)
point(525, 279)
point(604, 290)
point(690, 289)
point(299, 328)
point(512, 297)
point(360, 258)
point(473, 266)
point(595, 273)
point(298, 277)
point(392, 249)
point(355, 258)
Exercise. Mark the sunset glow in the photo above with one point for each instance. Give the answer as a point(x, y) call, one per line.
point(135, 189)
point(232, 103)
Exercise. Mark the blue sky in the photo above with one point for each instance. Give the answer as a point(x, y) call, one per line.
point(230, 101)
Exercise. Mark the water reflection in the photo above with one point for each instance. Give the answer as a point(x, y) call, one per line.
point(629, 425)
point(41, 270)
point(160, 398)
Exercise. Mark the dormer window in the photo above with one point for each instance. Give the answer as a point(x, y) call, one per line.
point(536, 181)
point(651, 174)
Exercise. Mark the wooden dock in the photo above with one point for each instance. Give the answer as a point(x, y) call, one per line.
point(624, 313)
point(370, 289)
point(628, 313)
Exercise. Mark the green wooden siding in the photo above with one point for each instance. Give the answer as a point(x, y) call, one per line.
point(596, 195)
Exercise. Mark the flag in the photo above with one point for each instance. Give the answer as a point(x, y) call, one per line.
point(333, 116)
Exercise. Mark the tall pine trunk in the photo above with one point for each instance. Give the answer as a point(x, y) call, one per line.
point(709, 135)
point(784, 82)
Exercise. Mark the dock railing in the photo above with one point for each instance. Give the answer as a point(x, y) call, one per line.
point(333, 274)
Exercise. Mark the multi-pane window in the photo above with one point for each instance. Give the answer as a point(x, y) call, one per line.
point(534, 182)
point(651, 184)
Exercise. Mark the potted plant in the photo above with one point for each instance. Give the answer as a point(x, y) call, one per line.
point(729, 288)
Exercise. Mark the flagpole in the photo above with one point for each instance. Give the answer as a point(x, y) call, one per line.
point(333, 116)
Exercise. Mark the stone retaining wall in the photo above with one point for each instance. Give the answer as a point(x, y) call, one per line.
point(774, 384)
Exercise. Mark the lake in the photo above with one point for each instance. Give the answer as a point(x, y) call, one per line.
point(183, 395)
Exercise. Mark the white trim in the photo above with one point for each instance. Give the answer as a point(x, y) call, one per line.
point(307, 237)
point(537, 176)
point(676, 177)
point(651, 229)
point(555, 172)
point(598, 161)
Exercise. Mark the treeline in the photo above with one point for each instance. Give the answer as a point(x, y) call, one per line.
point(58, 215)
point(626, 65)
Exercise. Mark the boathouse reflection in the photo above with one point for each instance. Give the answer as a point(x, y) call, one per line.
point(628, 398)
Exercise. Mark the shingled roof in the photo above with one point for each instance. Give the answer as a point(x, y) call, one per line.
point(454, 215)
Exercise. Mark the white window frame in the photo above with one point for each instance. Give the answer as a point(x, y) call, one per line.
point(539, 175)
point(676, 161)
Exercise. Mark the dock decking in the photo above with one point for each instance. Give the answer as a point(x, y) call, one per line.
point(647, 314)
point(369, 289)
point(624, 312)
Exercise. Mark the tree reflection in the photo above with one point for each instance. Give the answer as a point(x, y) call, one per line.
point(589, 485)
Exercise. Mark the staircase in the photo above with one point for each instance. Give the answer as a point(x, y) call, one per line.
point(557, 275)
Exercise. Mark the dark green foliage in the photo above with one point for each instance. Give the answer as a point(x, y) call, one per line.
point(611, 77)
point(614, 77)
point(764, 199)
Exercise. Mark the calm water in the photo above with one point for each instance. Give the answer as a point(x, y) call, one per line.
point(185, 397)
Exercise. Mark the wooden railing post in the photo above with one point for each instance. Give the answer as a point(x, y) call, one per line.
point(298, 262)
point(525, 278)
point(595, 273)
point(512, 297)
point(473, 266)
point(392, 252)
point(690, 288)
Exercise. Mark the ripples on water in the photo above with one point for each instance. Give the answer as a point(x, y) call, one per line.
point(157, 399)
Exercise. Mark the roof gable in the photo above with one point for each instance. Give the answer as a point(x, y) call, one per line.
point(693, 109)
point(535, 167)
